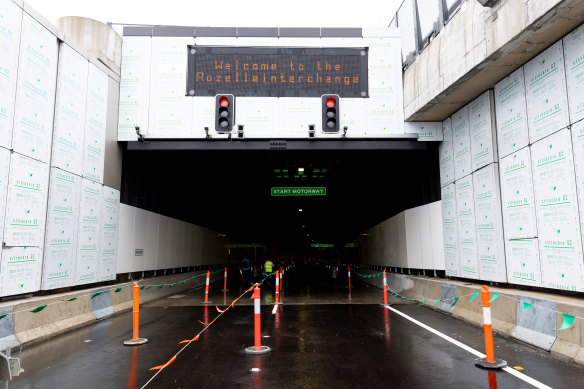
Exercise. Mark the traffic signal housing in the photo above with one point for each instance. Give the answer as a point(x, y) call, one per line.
point(330, 113)
point(224, 113)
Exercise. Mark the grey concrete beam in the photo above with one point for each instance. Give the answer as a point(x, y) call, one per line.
point(138, 31)
point(173, 31)
point(257, 32)
point(300, 32)
point(480, 46)
point(335, 32)
point(215, 31)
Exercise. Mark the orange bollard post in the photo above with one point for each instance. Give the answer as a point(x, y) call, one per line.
point(277, 288)
point(257, 348)
point(207, 289)
point(384, 287)
point(349, 272)
point(136, 340)
point(489, 362)
point(225, 281)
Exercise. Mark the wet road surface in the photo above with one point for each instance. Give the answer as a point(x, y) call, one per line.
point(319, 339)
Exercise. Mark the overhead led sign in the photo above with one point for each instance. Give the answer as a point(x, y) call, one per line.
point(277, 71)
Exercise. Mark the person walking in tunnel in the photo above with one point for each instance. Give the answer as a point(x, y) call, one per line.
point(246, 271)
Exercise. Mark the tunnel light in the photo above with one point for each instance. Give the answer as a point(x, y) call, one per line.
point(299, 209)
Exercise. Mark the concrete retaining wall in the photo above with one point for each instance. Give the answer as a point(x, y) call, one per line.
point(537, 326)
point(24, 327)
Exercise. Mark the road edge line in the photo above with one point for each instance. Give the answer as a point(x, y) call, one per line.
point(471, 350)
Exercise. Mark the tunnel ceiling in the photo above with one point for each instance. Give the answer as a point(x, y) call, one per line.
point(230, 191)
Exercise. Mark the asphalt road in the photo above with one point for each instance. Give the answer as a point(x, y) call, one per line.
point(319, 339)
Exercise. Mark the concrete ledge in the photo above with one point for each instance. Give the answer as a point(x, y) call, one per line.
point(24, 327)
point(537, 325)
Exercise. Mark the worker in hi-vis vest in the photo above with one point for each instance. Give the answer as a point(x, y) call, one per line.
point(268, 271)
point(268, 267)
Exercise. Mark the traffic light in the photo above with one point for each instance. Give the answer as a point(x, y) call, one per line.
point(224, 109)
point(330, 113)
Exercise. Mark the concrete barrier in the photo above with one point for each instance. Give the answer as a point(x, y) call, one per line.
point(7, 338)
point(537, 325)
point(569, 343)
point(24, 327)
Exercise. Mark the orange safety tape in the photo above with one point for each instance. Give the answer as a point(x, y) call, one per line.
point(196, 337)
point(190, 340)
point(163, 366)
point(234, 301)
point(221, 311)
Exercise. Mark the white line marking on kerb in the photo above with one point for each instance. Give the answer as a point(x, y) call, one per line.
point(275, 310)
point(471, 350)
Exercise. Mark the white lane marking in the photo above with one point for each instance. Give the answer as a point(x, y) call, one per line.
point(440, 334)
point(471, 350)
point(275, 310)
point(525, 378)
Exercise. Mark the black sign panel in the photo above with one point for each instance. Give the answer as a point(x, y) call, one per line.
point(277, 71)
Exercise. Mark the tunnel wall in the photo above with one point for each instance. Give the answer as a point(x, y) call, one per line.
point(150, 241)
point(526, 226)
point(411, 239)
point(58, 205)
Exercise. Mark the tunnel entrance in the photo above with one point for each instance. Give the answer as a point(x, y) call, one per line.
point(231, 191)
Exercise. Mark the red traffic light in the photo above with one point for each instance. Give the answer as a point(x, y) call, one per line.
point(331, 102)
point(223, 101)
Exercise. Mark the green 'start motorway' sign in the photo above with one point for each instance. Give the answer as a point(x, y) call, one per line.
point(299, 191)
